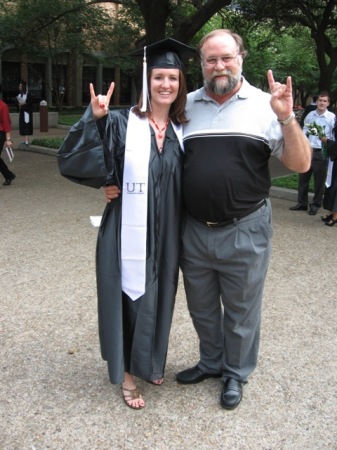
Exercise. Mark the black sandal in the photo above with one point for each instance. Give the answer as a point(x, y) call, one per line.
point(326, 218)
point(331, 223)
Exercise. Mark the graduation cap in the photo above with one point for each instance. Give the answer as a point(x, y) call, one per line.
point(165, 54)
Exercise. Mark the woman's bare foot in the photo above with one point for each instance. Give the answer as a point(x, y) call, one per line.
point(132, 397)
point(157, 382)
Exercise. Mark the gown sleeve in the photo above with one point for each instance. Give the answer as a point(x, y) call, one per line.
point(332, 149)
point(88, 152)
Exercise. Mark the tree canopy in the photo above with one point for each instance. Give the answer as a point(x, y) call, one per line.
point(296, 37)
point(318, 17)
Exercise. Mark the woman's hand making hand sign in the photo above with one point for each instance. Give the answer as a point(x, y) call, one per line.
point(100, 103)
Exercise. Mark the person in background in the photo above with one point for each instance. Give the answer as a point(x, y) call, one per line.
point(139, 153)
point(5, 139)
point(232, 131)
point(25, 104)
point(319, 164)
point(330, 193)
point(308, 109)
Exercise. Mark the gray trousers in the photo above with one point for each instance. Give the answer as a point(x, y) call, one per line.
point(227, 265)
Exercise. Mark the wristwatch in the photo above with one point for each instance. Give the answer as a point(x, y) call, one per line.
point(288, 120)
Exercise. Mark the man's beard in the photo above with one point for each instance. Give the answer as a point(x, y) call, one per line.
point(223, 86)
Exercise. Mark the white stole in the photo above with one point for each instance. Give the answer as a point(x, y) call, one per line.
point(21, 98)
point(329, 174)
point(134, 204)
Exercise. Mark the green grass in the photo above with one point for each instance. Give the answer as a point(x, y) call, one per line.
point(290, 182)
point(48, 142)
point(69, 119)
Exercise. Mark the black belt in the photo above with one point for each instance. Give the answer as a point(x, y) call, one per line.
point(228, 222)
point(317, 149)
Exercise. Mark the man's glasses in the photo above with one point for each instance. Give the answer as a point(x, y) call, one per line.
point(224, 59)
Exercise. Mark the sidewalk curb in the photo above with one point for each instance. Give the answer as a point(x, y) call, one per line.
point(283, 193)
point(38, 149)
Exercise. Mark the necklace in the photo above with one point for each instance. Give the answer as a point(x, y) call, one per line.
point(160, 130)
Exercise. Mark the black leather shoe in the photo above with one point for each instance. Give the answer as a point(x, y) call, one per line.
point(312, 212)
point(298, 207)
point(8, 181)
point(194, 375)
point(231, 394)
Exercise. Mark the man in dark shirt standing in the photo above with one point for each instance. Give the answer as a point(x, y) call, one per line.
point(233, 130)
point(308, 109)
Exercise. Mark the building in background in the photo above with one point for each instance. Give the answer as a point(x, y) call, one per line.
point(69, 77)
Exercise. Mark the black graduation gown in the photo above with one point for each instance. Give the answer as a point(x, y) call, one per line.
point(330, 193)
point(26, 126)
point(133, 335)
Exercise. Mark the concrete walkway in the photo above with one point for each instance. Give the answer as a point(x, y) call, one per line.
point(55, 393)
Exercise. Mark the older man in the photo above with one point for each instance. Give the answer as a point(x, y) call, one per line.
point(233, 130)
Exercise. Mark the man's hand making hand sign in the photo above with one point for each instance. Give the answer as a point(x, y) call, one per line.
point(281, 97)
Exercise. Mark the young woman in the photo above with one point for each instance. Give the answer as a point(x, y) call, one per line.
point(25, 104)
point(139, 154)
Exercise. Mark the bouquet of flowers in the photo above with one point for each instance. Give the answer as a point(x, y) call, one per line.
point(315, 130)
point(318, 130)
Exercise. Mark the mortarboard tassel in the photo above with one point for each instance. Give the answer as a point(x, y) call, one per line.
point(144, 106)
